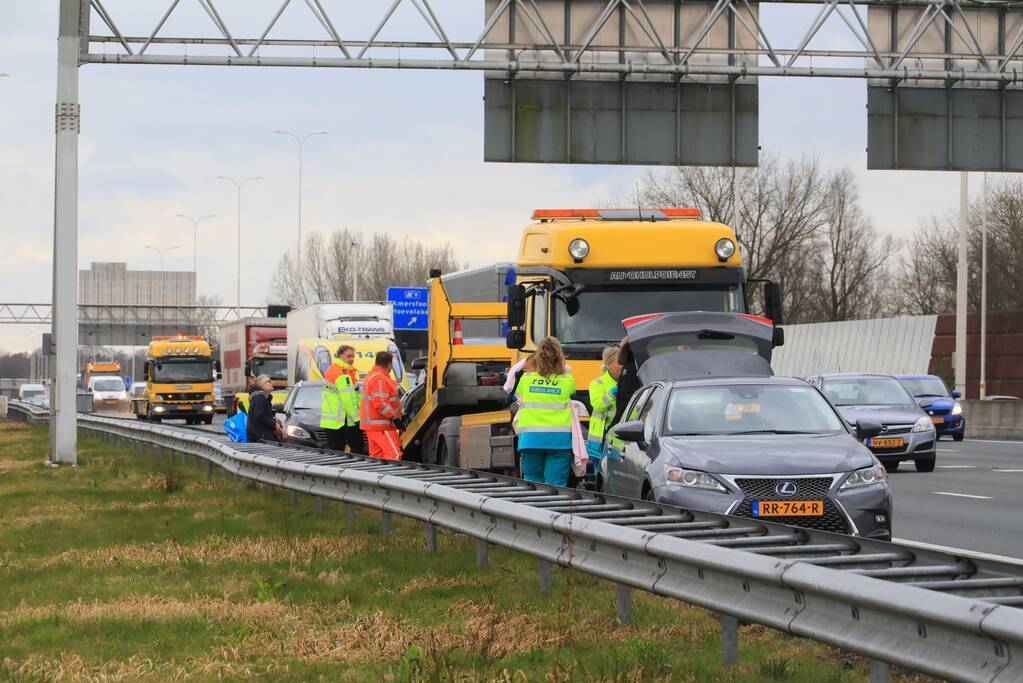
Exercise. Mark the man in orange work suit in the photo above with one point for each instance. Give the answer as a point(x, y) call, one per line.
point(381, 409)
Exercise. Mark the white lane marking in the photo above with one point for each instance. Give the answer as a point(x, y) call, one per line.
point(959, 467)
point(961, 551)
point(947, 450)
point(961, 495)
point(996, 469)
point(1018, 443)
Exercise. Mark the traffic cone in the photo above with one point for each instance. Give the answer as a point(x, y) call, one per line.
point(457, 338)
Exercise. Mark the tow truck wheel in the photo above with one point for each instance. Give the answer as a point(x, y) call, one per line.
point(444, 456)
point(208, 420)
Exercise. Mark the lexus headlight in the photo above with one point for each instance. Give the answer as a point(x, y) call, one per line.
point(725, 249)
point(579, 249)
point(957, 409)
point(691, 479)
point(923, 424)
point(297, 432)
point(865, 477)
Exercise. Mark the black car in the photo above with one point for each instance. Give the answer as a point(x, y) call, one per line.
point(302, 415)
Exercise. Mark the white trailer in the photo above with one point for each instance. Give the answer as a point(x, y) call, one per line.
point(330, 319)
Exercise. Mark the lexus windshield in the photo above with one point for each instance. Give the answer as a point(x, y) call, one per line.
point(752, 409)
point(601, 311)
point(867, 391)
point(171, 371)
point(927, 386)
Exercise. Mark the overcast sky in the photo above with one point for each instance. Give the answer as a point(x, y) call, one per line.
point(404, 154)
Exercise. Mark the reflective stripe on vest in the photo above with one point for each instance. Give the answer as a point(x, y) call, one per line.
point(544, 404)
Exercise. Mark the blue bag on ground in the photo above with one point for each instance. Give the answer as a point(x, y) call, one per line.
point(236, 426)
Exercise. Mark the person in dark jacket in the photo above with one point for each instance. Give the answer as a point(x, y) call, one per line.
point(628, 382)
point(262, 424)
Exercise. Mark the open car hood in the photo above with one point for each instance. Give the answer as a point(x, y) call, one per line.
point(699, 344)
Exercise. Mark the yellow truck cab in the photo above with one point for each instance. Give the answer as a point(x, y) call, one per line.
point(179, 375)
point(579, 273)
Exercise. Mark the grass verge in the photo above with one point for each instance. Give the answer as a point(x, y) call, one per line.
point(128, 568)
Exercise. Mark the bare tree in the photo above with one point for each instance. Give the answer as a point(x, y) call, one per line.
point(330, 263)
point(853, 259)
point(927, 271)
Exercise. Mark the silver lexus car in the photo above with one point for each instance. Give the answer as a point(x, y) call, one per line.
point(712, 429)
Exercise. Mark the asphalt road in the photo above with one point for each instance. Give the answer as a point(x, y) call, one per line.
point(973, 499)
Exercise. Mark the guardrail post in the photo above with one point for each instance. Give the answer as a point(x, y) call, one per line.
point(543, 568)
point(209, 468)
point(879, 672)
point(623, 601)
point(386, 522)
point(269, 489)
point(293, 498)
point(431, 537)
point(482, 554)
point(729, 640)
point(318, 505)
point(349, 513)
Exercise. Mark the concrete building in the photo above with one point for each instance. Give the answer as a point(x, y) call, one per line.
point(114, 285)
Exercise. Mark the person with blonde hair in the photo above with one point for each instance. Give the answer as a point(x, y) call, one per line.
point(262, 424)
point(603, 392)
point(545, 415)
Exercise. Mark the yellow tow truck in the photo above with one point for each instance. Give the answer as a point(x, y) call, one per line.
point(579, 273)
point(179, 374)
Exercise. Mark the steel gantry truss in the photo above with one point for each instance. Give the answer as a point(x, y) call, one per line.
point(898, 40)
point(148, 315)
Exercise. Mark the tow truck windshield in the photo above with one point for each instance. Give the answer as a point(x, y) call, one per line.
point(601, 311)
point(170, 371)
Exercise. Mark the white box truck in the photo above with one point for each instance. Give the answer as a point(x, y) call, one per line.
point(332, 320)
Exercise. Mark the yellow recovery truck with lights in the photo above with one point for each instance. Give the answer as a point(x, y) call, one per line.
point(579, 273)
point(179, 374)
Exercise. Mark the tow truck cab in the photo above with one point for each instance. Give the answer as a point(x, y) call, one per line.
point(579, 273)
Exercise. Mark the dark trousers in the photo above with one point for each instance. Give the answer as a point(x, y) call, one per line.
point(350, 436)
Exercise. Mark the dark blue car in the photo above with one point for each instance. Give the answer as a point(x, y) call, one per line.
point(941, 406)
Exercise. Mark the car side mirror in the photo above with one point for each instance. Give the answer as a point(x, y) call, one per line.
point(630, 431)
point(866, 429)
point(515, 339)
point(957, 394)
point(419, 363)
point(778, 337)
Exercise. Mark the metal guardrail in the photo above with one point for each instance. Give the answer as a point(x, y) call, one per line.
point(926, 611)
point(27, 412)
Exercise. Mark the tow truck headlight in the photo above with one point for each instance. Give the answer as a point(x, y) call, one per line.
point(691, 479)
point(957, 409)
point(864, 477)
point(158, 409)
point(207, 409)
point(579, 249)
point(923, 424)
point(297, 432)
point(724, 248)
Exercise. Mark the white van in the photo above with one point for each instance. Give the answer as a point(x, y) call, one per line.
point(26, 392)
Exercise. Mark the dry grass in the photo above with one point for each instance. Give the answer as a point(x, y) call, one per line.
point(165, 482)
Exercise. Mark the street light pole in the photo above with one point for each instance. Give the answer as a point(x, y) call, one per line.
point(239, 186)
point(301, 145)
point(161, 252)
point(983, 292)
point(195, 241)
point(961, 282)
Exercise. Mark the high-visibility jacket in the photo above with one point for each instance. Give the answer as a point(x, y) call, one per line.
point(339, 399)
point(545, 411)
point(381, 404)
point(602, 401)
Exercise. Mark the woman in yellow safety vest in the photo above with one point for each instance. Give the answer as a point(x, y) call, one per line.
point(544, 422)
point(603, 392)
